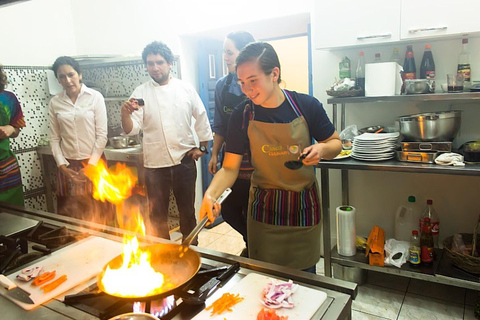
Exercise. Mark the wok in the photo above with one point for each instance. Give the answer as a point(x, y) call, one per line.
point(177, 262)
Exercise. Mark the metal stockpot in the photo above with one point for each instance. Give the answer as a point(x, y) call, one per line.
point(432, 126)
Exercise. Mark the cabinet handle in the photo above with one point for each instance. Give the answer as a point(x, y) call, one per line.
point(386, 35)
point(427, 29)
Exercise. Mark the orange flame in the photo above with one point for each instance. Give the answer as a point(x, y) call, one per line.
point(135, 277)
point(112, 186)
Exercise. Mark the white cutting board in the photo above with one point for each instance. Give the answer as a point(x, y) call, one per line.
point(306, 300)
point(80, 261)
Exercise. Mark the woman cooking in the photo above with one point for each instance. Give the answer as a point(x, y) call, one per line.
point(78, 135)
point(228, 95)
point(11, 121)
point(277, 125)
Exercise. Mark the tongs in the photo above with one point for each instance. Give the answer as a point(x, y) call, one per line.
point(188, 240)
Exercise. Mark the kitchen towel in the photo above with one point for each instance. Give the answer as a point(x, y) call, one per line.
point(346, 232)
point(449, 158)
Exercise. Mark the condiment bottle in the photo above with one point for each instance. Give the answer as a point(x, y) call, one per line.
point(409, 69)
point(431, 213)
point(360, 73)
point(426, 242)
point(414, 250)
point(344, 68)
point(396, 57)
point(427, 67)
point(464, 65)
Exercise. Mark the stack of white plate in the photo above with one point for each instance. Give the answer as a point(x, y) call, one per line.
point(375, 146)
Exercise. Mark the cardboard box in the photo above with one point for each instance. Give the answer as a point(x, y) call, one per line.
point(375, 247)
point(383, 79)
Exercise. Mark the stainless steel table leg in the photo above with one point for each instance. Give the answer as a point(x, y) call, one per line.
point(325, 185)
point(345, 195)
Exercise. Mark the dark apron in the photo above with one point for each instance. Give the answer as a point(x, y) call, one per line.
point(284, 211)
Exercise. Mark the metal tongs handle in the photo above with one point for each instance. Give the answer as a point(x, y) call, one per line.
point(188, 240)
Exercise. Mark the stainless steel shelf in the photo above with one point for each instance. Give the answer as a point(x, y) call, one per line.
point(398, 166)
point(422, 272)
point(463, 97)
point(448, 274)
point(122, 98)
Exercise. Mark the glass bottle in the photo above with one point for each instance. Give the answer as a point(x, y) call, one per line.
point(464, 65)
point(360, 72)
point(430, 213)
point(409, 69)
point(414, 250)
point(344, 68)
point(396, 57)
point(427, 67)
point(426, 242)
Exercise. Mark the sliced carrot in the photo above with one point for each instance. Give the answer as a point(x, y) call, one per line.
point(225, 302)
point(43, 278)
point(52, 285)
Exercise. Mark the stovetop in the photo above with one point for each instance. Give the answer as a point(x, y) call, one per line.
point(22, 247)
point(186, 301)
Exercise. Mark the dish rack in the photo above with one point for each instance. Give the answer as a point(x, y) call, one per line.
point(469, 263)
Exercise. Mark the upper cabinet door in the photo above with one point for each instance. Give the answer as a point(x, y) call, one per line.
point(427, 19)
point(342, 23)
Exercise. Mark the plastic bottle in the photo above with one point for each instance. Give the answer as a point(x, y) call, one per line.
point(396, 57)
point(360, 72)
point(344, 68)
point(406, 219)
point(377, 58)
point(409, 69)
point(429, 212)
point(464, 65)
point(414, 251)
point(426, 242)
point(427, 67)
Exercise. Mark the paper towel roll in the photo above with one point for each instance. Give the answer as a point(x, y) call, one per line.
point(346, 232)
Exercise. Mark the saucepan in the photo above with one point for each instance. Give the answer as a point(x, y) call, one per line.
point(177, 262)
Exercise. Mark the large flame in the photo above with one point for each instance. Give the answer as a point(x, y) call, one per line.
point(135, 277)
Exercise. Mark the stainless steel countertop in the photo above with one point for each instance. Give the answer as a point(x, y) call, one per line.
point(337, 306)
point(131, 154)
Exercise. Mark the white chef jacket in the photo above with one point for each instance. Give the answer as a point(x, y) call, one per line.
point(78, 130)
point(166, 120)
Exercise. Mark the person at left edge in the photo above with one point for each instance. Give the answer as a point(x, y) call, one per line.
point(11, 120)
point(169, 147)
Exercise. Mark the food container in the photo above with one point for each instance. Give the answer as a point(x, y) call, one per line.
point(432, 126)
point(427, 146)
point(471, 152)
point(415, 156)
point(417, 86)
point(119, 142)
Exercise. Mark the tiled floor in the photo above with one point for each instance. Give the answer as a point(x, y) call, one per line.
point(384, 296)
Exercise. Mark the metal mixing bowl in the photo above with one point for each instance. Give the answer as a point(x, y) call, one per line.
point(416, 86)
point(432, 126)
point(119, 142)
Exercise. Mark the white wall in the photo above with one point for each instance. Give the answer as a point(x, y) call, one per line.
point(376, 195)
point(36, 32)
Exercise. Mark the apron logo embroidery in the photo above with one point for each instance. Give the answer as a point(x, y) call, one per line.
point(294, 148)
point(227, 109)
point(274, 150)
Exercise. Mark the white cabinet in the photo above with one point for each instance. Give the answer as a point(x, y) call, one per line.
point(342, 23)
point(427, 19)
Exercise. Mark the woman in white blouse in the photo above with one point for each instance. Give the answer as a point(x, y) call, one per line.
point(78, 135)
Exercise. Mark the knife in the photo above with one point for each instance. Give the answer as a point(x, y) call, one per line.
point(208, 287)
point(15, 291)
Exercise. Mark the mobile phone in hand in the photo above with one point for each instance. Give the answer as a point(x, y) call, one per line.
point(140, 102)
